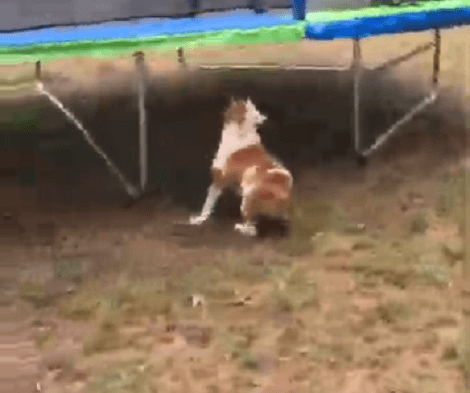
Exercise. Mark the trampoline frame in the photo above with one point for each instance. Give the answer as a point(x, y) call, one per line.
point(358, 67)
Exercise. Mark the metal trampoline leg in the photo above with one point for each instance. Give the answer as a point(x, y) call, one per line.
point(357, 69)
point(430, 99)
point(130, 189)
point(139, 62)
point(437, 58)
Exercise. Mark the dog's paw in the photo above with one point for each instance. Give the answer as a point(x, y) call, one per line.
point(196, 220)
point(246, 229)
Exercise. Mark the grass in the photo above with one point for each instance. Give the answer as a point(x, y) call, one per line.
point(105, 338)
point(331, 244)
point(238, 348)
point(339, 351)
point(289, 339)
point(419, 223)
point(451, 202)
point(202, 278)
point(393, 312)
point(143, 298)
point(83, 305)
point(450, 353)
point(310, 216)
point(218, 281)
point(364, 242)
point(34, 293)
point(130, 298)
point(386, 266)
point(294, 293)
point(45, 340)
point(419, 261)
point(454, 250)
point(249, 360)
point(126, 378)
point(249, 268)
point(246, 333)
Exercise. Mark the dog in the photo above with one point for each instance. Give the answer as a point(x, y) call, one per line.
point(242, 162)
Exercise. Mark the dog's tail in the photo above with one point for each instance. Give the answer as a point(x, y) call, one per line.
point(280, 176)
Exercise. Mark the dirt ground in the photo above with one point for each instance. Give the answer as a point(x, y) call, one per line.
point(364, 296)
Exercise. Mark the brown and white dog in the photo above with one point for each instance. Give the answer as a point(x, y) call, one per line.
point(264, 184)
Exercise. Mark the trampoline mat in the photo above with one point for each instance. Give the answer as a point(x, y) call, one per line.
point(111, 38)
point(373, 21)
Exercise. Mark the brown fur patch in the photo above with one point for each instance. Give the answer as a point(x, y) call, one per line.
point(239, 161)
point(236, 112)
point(218, 177)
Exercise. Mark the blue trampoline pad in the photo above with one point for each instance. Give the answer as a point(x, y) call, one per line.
point(390, 24)
point(145, 28)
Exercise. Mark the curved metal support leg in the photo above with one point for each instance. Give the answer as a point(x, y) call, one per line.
point(430, 99)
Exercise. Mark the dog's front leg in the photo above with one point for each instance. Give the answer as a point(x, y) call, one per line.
point(211, 199)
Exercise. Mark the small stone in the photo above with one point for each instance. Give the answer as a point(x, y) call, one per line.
point(197, 300)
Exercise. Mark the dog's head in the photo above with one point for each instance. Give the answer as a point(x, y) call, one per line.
point(244, 114)
point(235, 112)
point(253, 116)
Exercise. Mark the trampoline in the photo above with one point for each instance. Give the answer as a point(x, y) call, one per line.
point(102, 32)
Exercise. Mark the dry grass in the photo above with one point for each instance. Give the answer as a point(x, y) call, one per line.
point(45, 340)
point(105, 338)
point(33, 292)
point(392, 312)
point(238, 347)
point(450, 353)
point(341, 351)
point(107, 335)
point(419, 223)
point(417, 261)
point(452, 190)
point(142, 297)
point(294, 292)
point(248, 268)
point(128, 377)
point(310, 216)
point(84, 304)
point(376, 263)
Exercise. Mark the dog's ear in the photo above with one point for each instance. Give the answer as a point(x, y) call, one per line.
point(240, 112)
point(228, 108)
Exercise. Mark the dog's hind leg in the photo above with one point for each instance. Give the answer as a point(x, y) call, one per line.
point(248, 228)
point(211, 199)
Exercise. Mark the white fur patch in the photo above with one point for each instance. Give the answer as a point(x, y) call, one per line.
point(247, 229)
